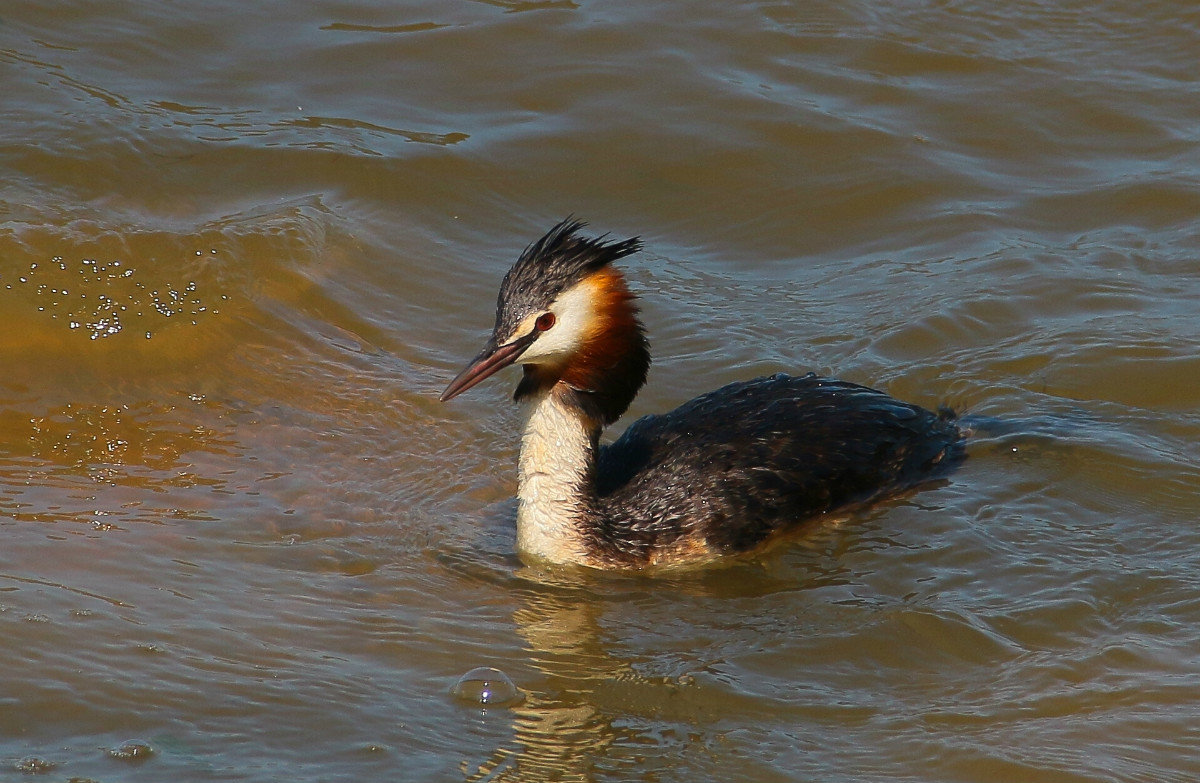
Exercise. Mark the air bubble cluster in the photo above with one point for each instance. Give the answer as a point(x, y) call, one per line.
point(101, 298)
point(35, 765)
point(134, 750)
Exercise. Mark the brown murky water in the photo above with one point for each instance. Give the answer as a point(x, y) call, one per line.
point(244, 246)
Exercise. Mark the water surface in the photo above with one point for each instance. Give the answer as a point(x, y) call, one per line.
point(243, 247)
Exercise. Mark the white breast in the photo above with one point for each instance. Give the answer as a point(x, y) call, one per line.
point(555, 453)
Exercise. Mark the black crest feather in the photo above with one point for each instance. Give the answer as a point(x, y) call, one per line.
point(551, 265)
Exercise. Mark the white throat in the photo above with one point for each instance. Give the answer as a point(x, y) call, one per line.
point(556, 451)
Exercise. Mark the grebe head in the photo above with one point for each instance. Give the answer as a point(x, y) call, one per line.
point(565, 314)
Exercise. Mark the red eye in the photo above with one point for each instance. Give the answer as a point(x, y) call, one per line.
point(544, 322)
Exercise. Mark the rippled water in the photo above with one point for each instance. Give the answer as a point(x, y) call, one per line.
point(244, 246)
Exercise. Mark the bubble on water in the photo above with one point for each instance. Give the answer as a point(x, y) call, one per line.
point(33, 765)
point(487, 685)
point(96, 310)
point(132, 750)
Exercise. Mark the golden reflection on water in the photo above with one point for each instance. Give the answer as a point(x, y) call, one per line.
point(561, 735)
point(590, 706)
point(566, 728)
point(240, 255)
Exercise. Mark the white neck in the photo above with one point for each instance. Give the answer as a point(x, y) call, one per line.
point(556, 453)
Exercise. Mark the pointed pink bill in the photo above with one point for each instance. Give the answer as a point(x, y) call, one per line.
point(489, 362)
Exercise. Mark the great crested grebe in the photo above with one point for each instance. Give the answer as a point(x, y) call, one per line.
point(716, 476)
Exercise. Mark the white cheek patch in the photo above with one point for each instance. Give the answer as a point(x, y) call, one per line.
point(573, 312)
